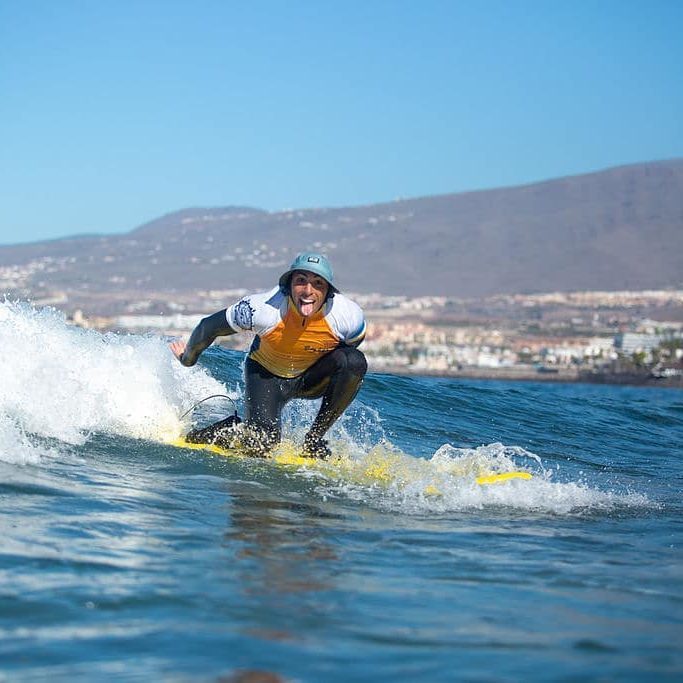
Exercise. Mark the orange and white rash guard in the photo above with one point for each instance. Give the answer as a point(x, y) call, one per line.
point(286, 343)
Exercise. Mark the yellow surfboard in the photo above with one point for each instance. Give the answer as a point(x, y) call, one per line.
point(380, 467)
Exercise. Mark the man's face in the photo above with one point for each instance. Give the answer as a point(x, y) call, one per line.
point(308, 292)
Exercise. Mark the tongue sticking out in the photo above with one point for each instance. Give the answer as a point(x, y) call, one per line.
point(306, 307)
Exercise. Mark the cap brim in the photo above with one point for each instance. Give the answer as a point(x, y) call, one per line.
point(284, 278)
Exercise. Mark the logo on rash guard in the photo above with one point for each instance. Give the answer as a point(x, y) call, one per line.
point(244, 314)
point(317, 349)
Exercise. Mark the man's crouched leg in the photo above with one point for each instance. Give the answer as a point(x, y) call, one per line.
point(345, 368)
point(223, 433)
point(258, 441)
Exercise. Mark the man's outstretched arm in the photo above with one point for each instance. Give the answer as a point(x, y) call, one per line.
point(202, 337)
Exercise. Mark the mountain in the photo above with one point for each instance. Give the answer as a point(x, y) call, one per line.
point(621, 228)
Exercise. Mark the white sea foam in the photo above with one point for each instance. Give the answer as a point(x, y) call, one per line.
point(391, 480)
point(59, 382)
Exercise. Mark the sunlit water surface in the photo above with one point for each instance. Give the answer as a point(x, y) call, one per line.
point(123, 557)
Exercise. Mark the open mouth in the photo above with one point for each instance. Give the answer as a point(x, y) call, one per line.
point(306, 306)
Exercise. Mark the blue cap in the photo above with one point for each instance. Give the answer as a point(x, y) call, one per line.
point(313, 263)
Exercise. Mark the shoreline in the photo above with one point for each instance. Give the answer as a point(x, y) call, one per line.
point(527, 374)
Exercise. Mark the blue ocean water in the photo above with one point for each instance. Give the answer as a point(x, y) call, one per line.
point(125, 558)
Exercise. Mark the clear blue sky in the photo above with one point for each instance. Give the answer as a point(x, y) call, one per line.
point(113, 113)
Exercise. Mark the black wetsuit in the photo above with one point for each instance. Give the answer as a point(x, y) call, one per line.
point(335, 377)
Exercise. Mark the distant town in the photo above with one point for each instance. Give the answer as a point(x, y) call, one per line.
point(625, 337)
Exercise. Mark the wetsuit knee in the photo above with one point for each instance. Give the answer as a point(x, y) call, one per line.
point(356, 362)
point(351, 360)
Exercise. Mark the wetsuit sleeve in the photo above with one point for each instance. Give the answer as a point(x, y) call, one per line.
point(202, 337)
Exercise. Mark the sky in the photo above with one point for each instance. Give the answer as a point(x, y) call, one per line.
point(113, 114)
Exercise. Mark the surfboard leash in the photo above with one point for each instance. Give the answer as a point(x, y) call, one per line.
point(187, 412)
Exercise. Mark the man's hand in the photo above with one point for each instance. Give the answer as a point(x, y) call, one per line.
point(178, 348)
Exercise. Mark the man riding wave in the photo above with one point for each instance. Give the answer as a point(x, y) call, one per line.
point(307, 335)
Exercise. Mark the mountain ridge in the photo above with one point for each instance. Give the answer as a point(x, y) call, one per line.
point(620, 228)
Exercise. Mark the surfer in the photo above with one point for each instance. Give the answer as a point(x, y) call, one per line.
point(307, 335)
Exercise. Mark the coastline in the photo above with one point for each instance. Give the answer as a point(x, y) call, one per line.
point(531, 374)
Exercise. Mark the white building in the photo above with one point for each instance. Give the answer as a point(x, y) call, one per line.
point(631, 342)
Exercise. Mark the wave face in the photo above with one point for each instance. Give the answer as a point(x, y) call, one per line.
point(391, 562)
point(61, 383)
